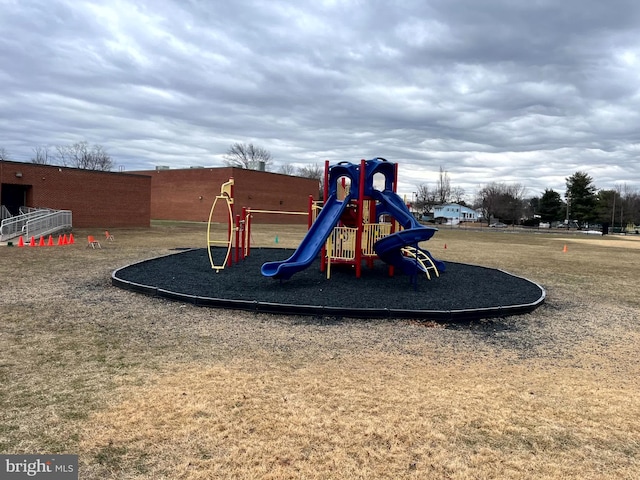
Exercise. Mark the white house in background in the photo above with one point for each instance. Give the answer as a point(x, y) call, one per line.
point(452, 214)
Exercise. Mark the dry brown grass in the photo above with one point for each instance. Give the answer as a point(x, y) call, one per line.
point(147, 388)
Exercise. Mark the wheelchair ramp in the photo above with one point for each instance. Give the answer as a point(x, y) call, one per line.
point(36, 223)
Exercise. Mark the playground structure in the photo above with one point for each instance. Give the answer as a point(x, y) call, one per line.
point(357, 218)
point(348, 228)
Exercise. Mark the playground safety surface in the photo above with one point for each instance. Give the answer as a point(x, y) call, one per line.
point(462, 292)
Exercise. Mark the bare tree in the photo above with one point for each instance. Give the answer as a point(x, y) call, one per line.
point(488, 199)
point(425, 199)
point(62, 155)
point(82, 155)
point(443, 187)
point(633, 207)
point(42, 156)
point(457, 195)
point(499, 200)
point(3, 154)
point(97, 159)
point(626, 195)
point(311, 171)
point(516, 194)
point(247, 156)
point(317, 173)
point(440, 193)
point(287, 169)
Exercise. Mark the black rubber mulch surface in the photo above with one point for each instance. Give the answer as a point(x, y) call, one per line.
point(463, 292)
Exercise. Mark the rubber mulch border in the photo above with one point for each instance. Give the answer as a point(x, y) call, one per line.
point(462, 292)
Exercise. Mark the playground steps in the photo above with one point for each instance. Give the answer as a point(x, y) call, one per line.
point(424, 260)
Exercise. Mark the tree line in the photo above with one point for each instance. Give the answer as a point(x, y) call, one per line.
point(249, 156)
point(583, 203)
point(76, 155)
point(95, 157)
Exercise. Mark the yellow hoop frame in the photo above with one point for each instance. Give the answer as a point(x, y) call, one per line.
point(225, 194)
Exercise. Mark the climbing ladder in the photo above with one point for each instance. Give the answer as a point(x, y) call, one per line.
point(423, 260)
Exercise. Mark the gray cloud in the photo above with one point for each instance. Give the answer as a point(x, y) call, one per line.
point(513, 91)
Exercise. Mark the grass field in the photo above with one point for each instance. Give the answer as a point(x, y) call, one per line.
point(147, 388)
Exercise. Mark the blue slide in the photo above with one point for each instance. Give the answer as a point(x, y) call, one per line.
point(311, 244)
point(389, 248)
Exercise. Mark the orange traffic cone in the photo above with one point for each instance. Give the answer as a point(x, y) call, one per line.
point(64, 239)
point(50, 241)
point(32, 242)
point(71, 239)
point(564, 250)
point(41, 242)
point(60, 240)
point(21, 242)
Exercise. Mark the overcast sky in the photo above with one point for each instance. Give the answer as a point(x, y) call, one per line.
point(514, 91)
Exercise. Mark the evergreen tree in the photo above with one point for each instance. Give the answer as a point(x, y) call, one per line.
point(581, 195)
point(551, 208)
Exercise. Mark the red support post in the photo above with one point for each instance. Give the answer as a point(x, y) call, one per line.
point(310, 219)
point(359, 216)
point(395, 178)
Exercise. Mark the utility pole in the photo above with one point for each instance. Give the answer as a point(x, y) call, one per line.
point(613, 210)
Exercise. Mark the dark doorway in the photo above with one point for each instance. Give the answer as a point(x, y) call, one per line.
point(14, 196)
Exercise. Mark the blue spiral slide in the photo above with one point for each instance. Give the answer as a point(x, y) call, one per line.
point(389, 248)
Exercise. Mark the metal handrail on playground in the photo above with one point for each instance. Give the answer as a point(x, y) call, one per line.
point(245, 227)
point(341, 243)
point(371, 233)
point(341, 246)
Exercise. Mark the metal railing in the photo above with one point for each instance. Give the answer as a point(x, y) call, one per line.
point(14, 226)
point(35, 223)
point(47, 224)
point(41, 210)
point(4, 212)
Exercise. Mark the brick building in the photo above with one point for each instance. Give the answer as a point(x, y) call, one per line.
point(132, 199)
point(187, 194)
point(95, 198)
